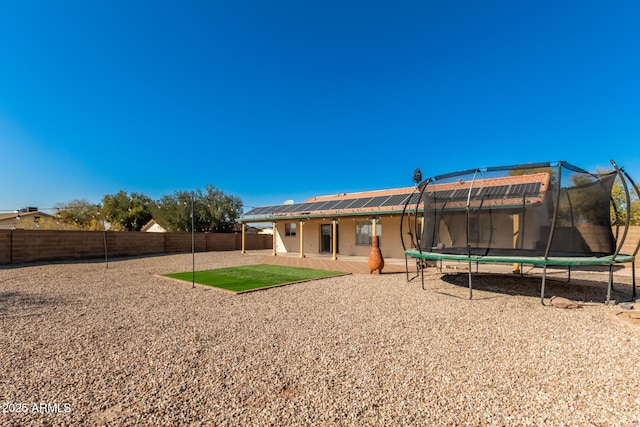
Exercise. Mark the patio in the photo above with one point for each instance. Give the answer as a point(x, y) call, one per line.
point(349, 264)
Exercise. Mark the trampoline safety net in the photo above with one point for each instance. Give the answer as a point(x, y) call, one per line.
point(543, 209)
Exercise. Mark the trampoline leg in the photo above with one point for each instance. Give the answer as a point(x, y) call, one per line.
point(610, 284)
point(521, 270)
point(470, 285)
point(544, 277)
point(633, 279)
point(422, 274)
point(406, 266)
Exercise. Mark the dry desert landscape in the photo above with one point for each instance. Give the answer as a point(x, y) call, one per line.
point(82, 344)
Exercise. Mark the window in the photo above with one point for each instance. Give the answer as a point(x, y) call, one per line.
point(363, 232)
point(290, 229)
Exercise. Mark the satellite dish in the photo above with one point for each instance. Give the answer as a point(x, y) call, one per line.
point(288, 202)
point(417, 176)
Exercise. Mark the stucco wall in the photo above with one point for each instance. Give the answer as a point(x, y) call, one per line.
point(390, 243)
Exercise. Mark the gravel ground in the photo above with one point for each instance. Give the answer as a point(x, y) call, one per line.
point(86, 345)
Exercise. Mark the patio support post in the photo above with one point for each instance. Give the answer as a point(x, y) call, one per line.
point(516, 234)
point(274, 252)
point(334, 236)
point(243, 229)
point(301, 239)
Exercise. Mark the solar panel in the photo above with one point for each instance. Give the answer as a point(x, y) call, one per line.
point(288, 208)
point(260, 211)
point(502, 190)
point(305, 207)
point(516, 190)
point(415, 198)
point(473, 193)
point(376, 201)
point(446, 194)
point(476, 193)
point(460, 194)
point(323, 205)
point(252, 211)
point(493, 192)
point(397, 200)
point(359, 203)
point(266, 210)
point(533, 188)
point(343, 204)
point(331, 205)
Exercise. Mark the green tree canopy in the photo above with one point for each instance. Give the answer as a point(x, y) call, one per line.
point(219, 211)
point(620, 201)
point(127, 212)
point(80, 214)
point(213, 210)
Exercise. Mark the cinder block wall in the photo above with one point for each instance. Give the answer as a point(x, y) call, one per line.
point(223, 242)
point(5, 246)
point(631, 241)
point(24, 246)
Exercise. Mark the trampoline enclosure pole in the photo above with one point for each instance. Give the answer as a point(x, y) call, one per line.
point(544, 277)
point(555, 211)
point(470, 285)
point(633, 278)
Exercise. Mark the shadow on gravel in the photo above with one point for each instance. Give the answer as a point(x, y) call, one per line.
point(21, 304)
point(578, 289)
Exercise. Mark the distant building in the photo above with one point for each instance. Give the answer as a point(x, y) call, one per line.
point(26, 218)
point(153, 227)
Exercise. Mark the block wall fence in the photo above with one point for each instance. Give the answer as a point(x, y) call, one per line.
point(631, 241)
point(24, 246)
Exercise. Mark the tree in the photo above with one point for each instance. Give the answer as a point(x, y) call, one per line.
point(126, 212)
point(220, 211)
point(212, 211)
point(173, 212)
point(620, 201)
point(81, 214)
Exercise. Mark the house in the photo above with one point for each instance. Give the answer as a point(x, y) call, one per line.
point(343, 224)
point(153, 227)
point(28, 218)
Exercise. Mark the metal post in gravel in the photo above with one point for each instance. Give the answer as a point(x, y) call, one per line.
point(193, 245)
point(104, 233)
point(193, 248)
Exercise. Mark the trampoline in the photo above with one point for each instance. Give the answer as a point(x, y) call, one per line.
point(542, 214)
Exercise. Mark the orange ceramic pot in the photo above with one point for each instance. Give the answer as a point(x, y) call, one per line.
point(376, 262)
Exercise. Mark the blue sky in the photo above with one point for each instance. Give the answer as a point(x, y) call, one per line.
point(277, 100)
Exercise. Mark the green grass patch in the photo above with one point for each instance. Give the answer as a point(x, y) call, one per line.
point(251, 277)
